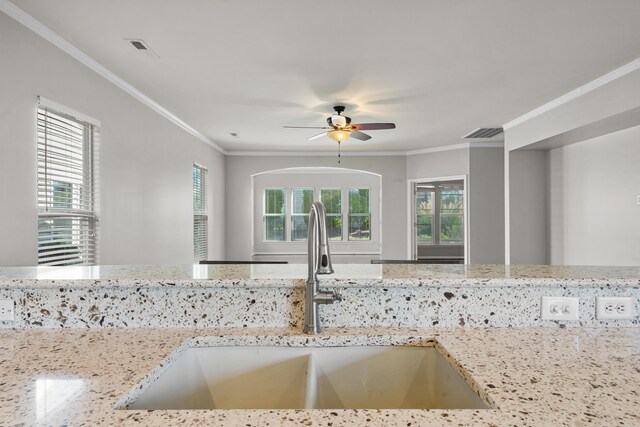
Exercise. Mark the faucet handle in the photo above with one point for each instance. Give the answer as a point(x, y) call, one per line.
point(337, 295)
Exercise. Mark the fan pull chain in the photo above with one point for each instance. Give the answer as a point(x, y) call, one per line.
point(338, 153)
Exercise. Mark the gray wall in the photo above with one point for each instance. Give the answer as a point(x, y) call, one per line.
point(485, 188)
point(238, 196)
point(145, 165)
point(593, 210)
point(528, 240)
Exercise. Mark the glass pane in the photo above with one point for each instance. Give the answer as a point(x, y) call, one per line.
point(301, 200)
point(62, 193)
point(65, 241)
point(451, 229)
point(359, 227)
point(274, 228)
point(274, 201)
point(299, 227)
point(334, 227)
point(424, 230)
point(359, 200)
point(451, 200)
point(424, 202)
point(332, 201)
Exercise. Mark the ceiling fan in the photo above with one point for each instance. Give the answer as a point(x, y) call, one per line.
point(341, 128)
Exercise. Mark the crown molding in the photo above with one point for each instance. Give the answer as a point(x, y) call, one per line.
point(46, 33)
point(576, 93)
point(463, 145)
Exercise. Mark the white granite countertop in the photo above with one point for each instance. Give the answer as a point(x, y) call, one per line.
point(293, 275)
point(533, 376)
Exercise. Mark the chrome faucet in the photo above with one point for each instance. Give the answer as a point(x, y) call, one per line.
point(319, 263)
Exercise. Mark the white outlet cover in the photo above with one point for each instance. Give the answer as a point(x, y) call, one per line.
point(560, 308)
point(615, 308)
point(6, 310)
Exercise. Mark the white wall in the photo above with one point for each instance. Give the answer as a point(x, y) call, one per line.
point(593, 210)
point(438, 164)
point(239, 170)
point(145, 161)
point(600, 111)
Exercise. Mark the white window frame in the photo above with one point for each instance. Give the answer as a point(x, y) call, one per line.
point(317, 178)
point(200, 214)
point(67, 235)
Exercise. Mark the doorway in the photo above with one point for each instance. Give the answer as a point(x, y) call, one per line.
point(438, 220)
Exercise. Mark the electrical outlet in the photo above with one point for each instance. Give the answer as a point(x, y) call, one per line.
point(7, 313)
point(560, 308)
point(608, 308)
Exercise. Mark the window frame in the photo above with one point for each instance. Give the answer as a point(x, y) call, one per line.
point(284, 215)
point(200, 214)
point(67, 157)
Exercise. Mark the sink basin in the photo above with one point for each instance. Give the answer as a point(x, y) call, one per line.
point(382, 377)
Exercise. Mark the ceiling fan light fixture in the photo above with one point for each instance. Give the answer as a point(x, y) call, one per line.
point(339, 135)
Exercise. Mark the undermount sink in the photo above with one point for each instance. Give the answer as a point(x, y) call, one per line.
point(381, 377)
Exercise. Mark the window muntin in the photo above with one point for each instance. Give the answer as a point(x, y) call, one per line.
point(301, 201)
point(332, 201)
point(274, 214)
point(200, 216)
point(359, 214)
point(67, 188)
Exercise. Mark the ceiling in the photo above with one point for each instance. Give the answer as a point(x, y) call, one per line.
point(438, 69)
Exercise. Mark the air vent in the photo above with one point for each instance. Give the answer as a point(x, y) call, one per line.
point(138, 44)
point(142, 47)
point(483, 133)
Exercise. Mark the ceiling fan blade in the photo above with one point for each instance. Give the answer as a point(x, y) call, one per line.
point(360, 135)
point(306, 127)
point(317, 136)
point(373, 126)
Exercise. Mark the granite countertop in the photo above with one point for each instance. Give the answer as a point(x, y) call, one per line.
point(293, 275)
point(532, 376)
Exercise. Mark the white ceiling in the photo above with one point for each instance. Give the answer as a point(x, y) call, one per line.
point(438, 69)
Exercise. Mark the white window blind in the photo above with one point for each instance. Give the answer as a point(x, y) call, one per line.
point(67, 189)
point(200, 217)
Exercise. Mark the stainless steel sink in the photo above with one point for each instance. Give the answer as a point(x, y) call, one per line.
point(383, 377)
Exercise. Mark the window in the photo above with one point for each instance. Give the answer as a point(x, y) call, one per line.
point(67, 188)
point(274, 214)
point(200, 217)
point(424, 214)
point(439, 207)
point(301, 201)
point(359, 214)
point(451, 214)
point(332, 201)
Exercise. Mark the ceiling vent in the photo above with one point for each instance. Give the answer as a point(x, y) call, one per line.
point(142, 47)
point(483, 133)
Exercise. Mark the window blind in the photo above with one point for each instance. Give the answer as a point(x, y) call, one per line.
point(200, 217)
point(67, 180)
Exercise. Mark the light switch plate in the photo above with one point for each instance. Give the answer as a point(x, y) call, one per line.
point(560, 308)
point(7, 313)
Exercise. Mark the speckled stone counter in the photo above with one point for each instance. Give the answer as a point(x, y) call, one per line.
point(532, 376)
point(273, 295)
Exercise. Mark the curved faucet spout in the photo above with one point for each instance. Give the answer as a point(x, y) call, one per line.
point(318, 242)
point(319, 259)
